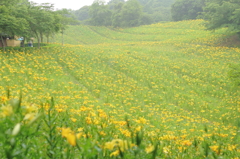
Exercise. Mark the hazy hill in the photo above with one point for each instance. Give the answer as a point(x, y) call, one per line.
point(191, 31)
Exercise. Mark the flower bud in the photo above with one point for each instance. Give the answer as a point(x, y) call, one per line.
point(16, 129)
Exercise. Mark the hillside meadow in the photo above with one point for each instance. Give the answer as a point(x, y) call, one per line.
point(155, 91)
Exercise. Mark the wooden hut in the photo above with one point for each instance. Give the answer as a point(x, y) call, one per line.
point(13, 41)
point(10, 41)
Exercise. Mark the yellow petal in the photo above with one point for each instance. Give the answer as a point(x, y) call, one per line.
point(71, 138)
point(115, 153)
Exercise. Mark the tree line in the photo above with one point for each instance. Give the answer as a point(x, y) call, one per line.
point(216, 13)
point(28, 19)
point(120, 13)
point(131, 13)
point(24, 18)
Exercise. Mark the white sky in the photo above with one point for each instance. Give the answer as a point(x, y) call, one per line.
point(69, 4)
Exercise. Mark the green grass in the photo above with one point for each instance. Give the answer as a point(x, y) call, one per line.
point(170, 80)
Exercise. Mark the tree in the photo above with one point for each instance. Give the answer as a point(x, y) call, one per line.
point(187, 9)
point(28, 19)
point(83, 13)
point(10, 23)
point(113, 3)
point(223, 13)
point(116, 16)
point(131, 14)
point(52, 21)
point(9, 2)
point(100, 14)
point(44, 21)
point(151, 11)
point(146, 19)
point(25, 18)
point(64, 18)
point(55, 27)
point(158, 10)
point(41, 20)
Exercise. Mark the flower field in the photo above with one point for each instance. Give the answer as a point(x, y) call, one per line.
point(156, 91)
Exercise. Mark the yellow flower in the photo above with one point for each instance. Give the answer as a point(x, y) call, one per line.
point(186, 143)
point(166, 150)
point(59, 110)
point(71, 138)
point(109, 145)
point(88, 120)
point(4, 99)
point(115, 153)
point(31, 108)
point(96, 122)
point(232, 147)
point(138, 128)
point(66, 131)
point(215, 148)
point(74, 120)
point(102, 133)
point(150, 148)
point(223, 135)
point(70, 135)
point(35, 117)
point(29, 116)
point(80, 129)
point(122, 144)
point(78, 135)
point(125, 132)
point(141, 120)
point(6, 110)
point(181, 148)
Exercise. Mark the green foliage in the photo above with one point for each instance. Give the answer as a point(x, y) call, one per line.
point(10, 2)
point(187, 9)
point(146, 19)
point(113, 3)
point(83, 13)
point(221, 14)
point(116, 16)
point(159, 10)
point(131, 14)
point(28, 19)
point(100, 14)
point(64, 18)
point(40, 21)
point(10, 23)
point(19, 128)
point(120, 13)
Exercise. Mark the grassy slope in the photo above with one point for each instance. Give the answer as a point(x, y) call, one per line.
point(170, 74)
point(166, 32)
point(182, 60)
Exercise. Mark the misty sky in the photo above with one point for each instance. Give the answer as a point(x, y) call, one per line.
point(69, 4)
